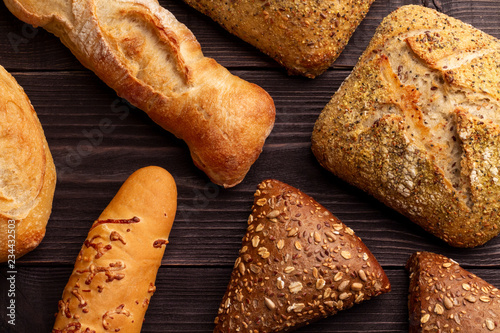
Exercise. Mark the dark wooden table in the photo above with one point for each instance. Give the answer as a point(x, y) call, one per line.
point(71, 101)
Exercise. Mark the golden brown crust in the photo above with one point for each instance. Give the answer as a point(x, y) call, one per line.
point(305, 37)
point(115, 271)
point(27, 172)
point(443, 297)
point(298, 264)
point(416, 125)
point(140, 50)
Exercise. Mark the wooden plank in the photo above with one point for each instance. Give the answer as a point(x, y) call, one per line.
point(187, 300)
point(210, 221)
point(39, 50)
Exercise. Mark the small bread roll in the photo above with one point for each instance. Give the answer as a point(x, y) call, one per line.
point(27, 173)
point(115, 271)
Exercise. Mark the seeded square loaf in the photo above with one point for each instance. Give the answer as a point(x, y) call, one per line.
point(416, 125)
point(298, 263)
point(444, 297)
point(305, 37)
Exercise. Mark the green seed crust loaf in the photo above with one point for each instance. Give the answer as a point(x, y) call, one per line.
point(416, 125)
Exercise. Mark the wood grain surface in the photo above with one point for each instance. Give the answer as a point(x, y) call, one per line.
point(72, 104)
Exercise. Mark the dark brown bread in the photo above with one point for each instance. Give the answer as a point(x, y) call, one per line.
point(298, 263)
point(446, 298)
point(417, 125)
point(305, 37)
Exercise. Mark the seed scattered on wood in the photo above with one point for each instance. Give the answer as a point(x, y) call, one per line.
point(270, 304)
point(295, 287)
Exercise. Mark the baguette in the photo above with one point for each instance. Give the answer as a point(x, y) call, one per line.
point(444, 297)
point(115, 271)
point(298, 263)
point(305, 37)
point(416, 125)
point(148, 57)
point(27, 173)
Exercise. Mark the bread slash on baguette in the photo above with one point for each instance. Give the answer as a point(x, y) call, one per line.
point(148, 57)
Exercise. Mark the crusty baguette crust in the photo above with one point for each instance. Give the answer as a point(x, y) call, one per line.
point(140, 50)
point(27, 172)
point(305, 37)
point(115, 271)
point(416, 125)
point(444, 297)
point(298, 263)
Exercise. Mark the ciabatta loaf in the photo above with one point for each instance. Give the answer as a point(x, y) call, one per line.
point(27, 173)
point(298, 263)
point(305, 36)
point(115, 271)
point(148, 57)
point(417, 125)
point(444, 297)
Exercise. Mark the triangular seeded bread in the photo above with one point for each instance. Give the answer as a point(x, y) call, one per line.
point(444, 297)
point(298, 263)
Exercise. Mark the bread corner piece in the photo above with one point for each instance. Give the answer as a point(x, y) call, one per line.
point(298, 263)
point(444, 297)
point(27, 173)
point(305, 37)
point(416, 125)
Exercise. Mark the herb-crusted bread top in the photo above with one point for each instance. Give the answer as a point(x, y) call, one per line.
point(417, 122)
